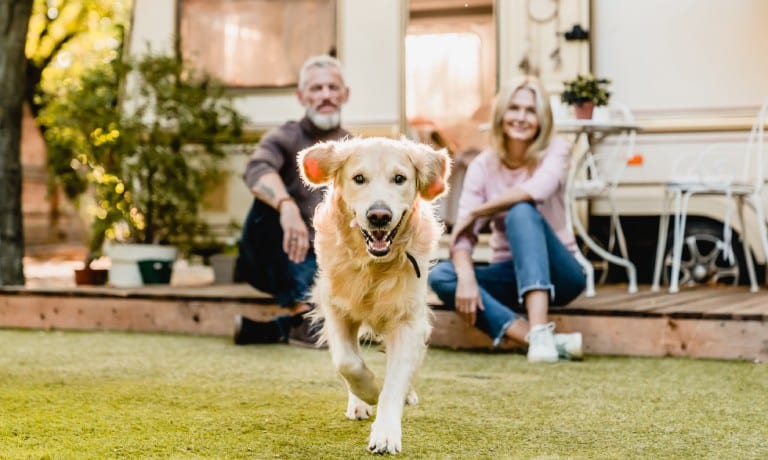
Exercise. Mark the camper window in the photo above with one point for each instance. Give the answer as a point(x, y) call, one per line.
point(255, 43)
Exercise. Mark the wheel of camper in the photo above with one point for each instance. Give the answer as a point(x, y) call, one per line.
point(704, 260)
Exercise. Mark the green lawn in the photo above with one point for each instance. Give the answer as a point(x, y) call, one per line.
point(111, 395)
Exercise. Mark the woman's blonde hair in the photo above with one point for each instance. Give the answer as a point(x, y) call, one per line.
point(543, 111)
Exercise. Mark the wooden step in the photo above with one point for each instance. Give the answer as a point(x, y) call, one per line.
point(724, 323)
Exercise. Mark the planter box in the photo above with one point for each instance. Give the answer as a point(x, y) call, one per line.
point(124, 271)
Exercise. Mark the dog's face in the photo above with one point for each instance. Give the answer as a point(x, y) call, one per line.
point(379, 180)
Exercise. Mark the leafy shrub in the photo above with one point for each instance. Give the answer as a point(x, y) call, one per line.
point(141, 139)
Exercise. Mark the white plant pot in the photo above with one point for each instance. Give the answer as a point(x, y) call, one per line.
point(124, 271)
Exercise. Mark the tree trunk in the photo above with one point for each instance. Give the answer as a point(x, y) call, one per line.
point(14, 19)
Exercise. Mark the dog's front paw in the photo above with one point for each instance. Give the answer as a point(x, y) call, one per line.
point(412, 398)
point(357, 409)
point(385, 438)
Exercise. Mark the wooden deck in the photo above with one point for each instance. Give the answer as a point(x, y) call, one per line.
point(704, 322)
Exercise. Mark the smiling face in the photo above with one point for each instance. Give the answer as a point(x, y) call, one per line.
point(520, 121)
point(322, 94)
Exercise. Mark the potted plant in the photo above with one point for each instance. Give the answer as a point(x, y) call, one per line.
point(584, 93)
point(144, 154)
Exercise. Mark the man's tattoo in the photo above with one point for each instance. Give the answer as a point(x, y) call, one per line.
point(266, 191)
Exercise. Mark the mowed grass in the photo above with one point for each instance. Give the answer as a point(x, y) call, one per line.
point(78, 395)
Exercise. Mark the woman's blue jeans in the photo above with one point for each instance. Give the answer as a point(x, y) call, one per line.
point(540, 261)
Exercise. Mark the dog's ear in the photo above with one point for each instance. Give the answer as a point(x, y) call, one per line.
point(433, 167)
point(316, 163)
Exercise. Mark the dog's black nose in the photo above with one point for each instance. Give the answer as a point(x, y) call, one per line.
point(379, 215)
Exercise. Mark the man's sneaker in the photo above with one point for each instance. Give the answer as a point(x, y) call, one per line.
point(569, 346)
point(306, 334)
point(248, 331)
point(541, 344)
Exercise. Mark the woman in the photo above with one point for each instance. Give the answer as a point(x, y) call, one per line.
point(517, 185)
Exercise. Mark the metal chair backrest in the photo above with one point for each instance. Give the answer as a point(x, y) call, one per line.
point(754, 164)
point(609, 163)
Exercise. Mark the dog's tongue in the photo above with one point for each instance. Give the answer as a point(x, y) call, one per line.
point(378, 245)
point(379, 241)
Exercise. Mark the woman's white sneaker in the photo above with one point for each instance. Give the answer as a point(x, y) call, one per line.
point(541, 344)
point(569, 346)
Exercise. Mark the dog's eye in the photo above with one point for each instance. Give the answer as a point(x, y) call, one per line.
point(359, 179)
point(399, 179)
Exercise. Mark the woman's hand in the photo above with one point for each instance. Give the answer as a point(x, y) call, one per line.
point(468, 299)
point(295, 233)
point(464, 226)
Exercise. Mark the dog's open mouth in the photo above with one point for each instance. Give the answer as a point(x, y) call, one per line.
point(379, 242)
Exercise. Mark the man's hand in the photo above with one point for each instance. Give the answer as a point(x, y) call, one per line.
point(295, 234)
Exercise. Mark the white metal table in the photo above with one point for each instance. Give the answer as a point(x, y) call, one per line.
point(592, 132)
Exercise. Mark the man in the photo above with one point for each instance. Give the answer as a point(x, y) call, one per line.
point(276, 251)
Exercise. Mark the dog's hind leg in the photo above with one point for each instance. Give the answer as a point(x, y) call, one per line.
point(345, 352)
point(412, 398)
point(405, 350)
point(357, 409)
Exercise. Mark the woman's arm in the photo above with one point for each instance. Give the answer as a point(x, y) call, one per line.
point(468, 299)
point(473, 194)
point(501, 202)
point(551, 172)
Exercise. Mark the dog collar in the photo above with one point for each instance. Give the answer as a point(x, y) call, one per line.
point(415, 265)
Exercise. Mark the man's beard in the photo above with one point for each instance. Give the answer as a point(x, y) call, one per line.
point(325, 121)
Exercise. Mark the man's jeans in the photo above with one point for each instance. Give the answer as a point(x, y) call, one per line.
point(540, 262)
point(263, 264)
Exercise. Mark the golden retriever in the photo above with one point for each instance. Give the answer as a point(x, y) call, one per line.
point(375, 232)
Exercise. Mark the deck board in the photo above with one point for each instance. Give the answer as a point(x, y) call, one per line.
point(701, 322)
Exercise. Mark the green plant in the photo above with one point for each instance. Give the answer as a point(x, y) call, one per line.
point(586, 88)
point(86, 144)
point(144, 155)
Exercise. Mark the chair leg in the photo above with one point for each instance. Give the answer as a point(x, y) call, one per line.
point(631, 272)
point(757, 202)
point(681, 213)
point(615, 235)
point(605, 255)
point(753, 287)
point(619, 232)
point(589, 272)
point(661, 243)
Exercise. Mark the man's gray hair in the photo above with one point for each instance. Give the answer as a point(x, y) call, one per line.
point(322, 60)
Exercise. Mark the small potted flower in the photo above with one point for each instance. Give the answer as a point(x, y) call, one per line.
point(585, 93)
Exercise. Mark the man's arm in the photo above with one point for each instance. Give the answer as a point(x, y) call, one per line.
point(271, 190)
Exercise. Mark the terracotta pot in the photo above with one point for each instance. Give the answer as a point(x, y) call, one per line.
point(584, 111)
point(91, 276)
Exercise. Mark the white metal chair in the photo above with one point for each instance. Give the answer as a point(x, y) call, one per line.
point(596, 175)
point(712, 173)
